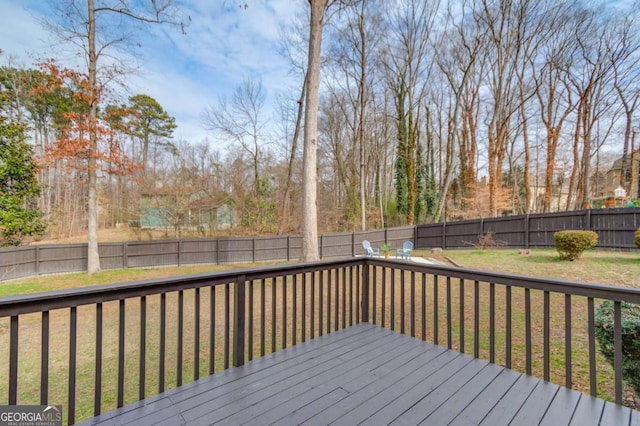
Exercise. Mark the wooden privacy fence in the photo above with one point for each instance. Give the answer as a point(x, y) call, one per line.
point(17, 262)
point(615, 228)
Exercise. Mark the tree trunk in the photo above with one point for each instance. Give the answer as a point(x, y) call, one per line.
point(310, 250)
point(286, 199)
point(93, 256)
point(363, 107)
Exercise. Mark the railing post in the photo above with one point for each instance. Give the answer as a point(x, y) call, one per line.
point(238, 320)
point(364, 302)
point(13, 361)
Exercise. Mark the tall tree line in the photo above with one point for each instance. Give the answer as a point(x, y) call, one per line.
point(427, 110)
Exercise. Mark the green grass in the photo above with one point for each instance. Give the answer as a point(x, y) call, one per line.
point(595, 266)
point(81, 279)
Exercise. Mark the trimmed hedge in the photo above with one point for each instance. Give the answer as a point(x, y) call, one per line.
point(571, 243)
point(630, 339)
point(636, 238)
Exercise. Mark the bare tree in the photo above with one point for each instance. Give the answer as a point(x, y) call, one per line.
point(241, 120)
point(310, 250)
point(95, 37)
point(592, 78)
point(408, 72)
point(461, 62)
point(627, 86)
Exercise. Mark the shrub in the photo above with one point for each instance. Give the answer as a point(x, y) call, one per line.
point(636, 239)
point(486, 240)
point(571, 243)
point(630, 339)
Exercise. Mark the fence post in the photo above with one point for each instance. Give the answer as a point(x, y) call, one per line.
point(179, 252)
point(288, 248)
point(364, 302)
point(321, 245)
point(353, 244)
point(125, 254)
point(526, 231)
point(444, 235)
point(253, 250)
point(481, 226)
point(37, 267)
point(238, 320)
point(589, 224)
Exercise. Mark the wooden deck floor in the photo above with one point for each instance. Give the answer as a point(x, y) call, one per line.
point(366, 374)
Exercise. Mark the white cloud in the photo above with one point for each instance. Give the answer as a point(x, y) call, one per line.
point(223, 44)
point(21, 35)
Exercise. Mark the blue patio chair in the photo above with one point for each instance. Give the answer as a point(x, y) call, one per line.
point(368, 250)
point(405, 251)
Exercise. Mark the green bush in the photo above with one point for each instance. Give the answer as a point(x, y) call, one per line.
point(636, 239)
point(571, 243)
point(630, 339)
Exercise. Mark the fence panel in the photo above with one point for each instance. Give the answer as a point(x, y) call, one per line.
point(152, 253)
point(17, 262)
point(198, 251)
point(232, 250)
point(506, 230)
point(543, 226)
point(376, 237)
point(462, 234)
point(615, 230)
point(397, 236)
point(337, 245)
point(271, 248)
point(112, 255)
point(68, 258)
point(430, 235)
point(295, 246)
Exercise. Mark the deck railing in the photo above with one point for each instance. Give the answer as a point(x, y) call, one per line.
point(98, 348)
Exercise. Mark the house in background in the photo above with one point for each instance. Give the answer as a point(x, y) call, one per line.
point(631, 181)
point(197, 212)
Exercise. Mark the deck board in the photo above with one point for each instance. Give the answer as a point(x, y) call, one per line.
point(367, 374)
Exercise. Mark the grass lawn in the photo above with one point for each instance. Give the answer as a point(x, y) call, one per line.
point(595, 266)
point(81, 279)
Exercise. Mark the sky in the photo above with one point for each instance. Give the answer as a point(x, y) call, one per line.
point(223, 44)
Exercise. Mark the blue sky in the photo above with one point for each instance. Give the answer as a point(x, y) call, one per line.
point(223, 44)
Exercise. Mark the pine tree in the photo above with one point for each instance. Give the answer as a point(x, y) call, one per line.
point(19, 217)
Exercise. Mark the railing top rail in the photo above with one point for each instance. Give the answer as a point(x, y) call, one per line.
point(38, 302)
point(600, 291)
